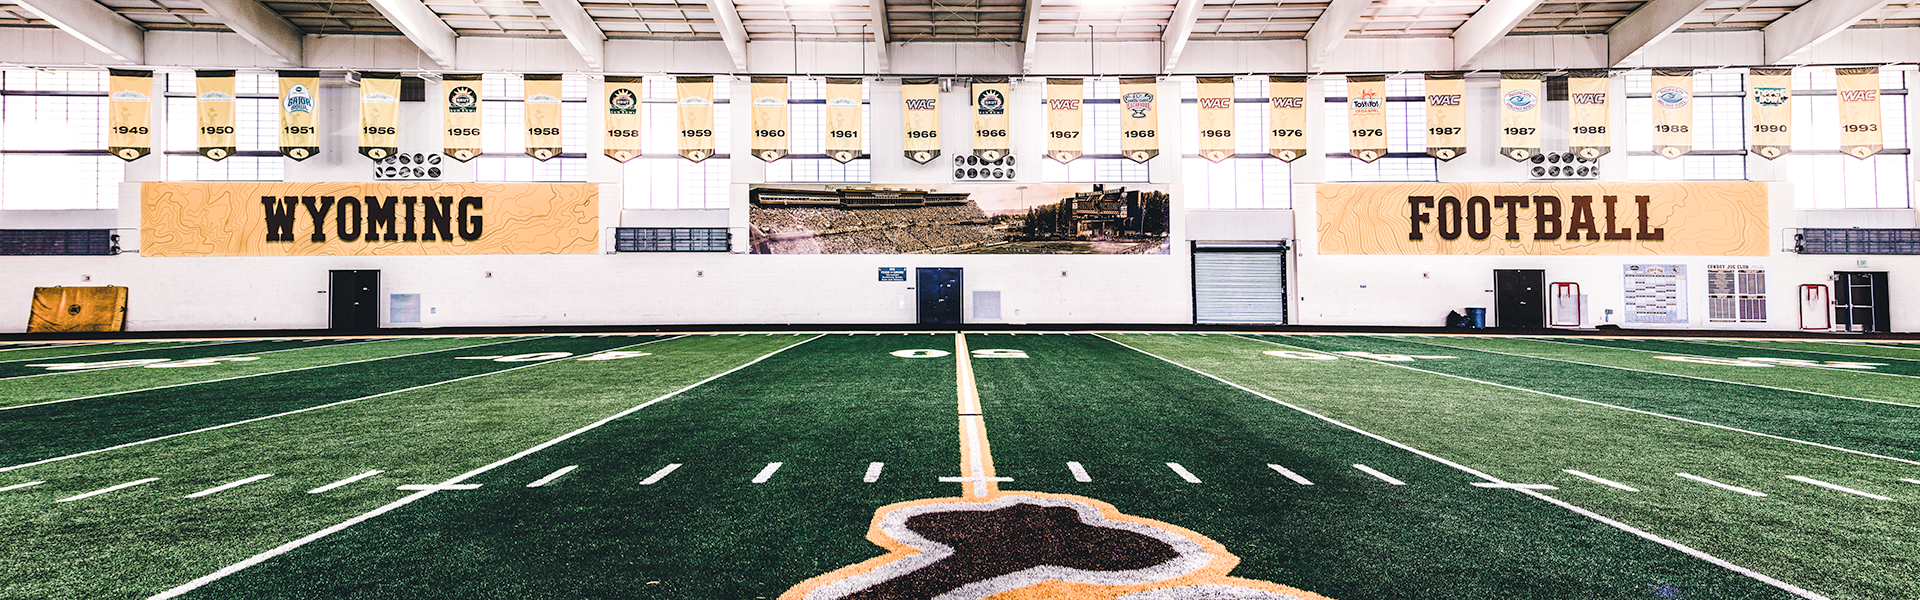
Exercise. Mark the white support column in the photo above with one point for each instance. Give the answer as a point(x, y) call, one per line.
point(580, 29)
point(261, 26)
point(1029, 34)
point(421, 25)
point(94, 24)
point(1813, 23)
point(1179, 28)
point(1653, 21)
point(1334, 24)
point(1488, 25)
point(880, 34)
point(731, 30)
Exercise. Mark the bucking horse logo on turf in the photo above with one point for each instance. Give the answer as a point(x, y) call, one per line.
point(1029, 546)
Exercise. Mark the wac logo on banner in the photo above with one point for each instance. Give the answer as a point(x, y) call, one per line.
point(1595, 98)
point(1294, 102)
point(1443, 100)
point(920, 104)
point(1063, 104)
point(1216, 103)
point(1859, 95)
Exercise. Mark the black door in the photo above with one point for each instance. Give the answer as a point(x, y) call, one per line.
point(356, 300)
point(939, 292)
point(1519, 299)
point(1860, 301)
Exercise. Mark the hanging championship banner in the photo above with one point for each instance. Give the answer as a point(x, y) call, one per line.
point(696, 117)
point(1520, 95)
point(769, 117)
point(542, 115)
point(214, 107)
point(1367, 116)
point(1446, 115)
point(1288, 96)
point(379, 114)
point(1859, 90)
point(1588, 118)
point(623, 117)
point(1770, 100)
point(1139, 121)
point(129, 111)
point(991, 95)
point(921, 98)
point(1064, 119)
point(844, 129)
point(1215, 97)
point(462, 116)
point(1672, 112)
point(299, 121)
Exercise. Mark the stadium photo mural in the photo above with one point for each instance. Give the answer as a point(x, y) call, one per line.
point(959, 219)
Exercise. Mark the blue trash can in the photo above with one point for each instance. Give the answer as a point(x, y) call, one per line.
point(1478, 316)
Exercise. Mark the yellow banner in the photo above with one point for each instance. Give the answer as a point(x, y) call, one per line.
point(921, 101)
point(769, 117)
point(991, 98)
point(1587, 95)
point(75, 309)
point(1672, 112)
point(1859, 90)
point(1446, 115)
point(844, 129)
point(129, 113)
point(461, 115)
point(1367, 117)
point(1215, 97)
point(362, 219)
point(1559, 219)
point(1520, 99)
point(1770, 101)
point(623, 117)
point(299, 114)
point(1287, 94)
point(696, 117)
point(541, 114)
point(1064, 119)
point(379, 114)
point(213, 109)
point(1139, 119)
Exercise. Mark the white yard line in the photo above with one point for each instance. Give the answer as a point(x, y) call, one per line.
point(1289, 474)
point(1513, 486)
point(1727, 487)
point(47, 346)
point(1381, 476)
point(1742, 383)
point(111, 489)
point(67, 356)
point(1820, 367)
point(1079, 472)
point(20, 485)
point(329, 487)
point(227, 486)
point(302, 410)
point(1706, 343)
point(1912, 481)
point(1722, 563)
point(1599, 480)
point(1838, 488)
point(1614, 406)
point(766, 474)
point(1183, 472)
point(552, 476)
point(873, 472)
point(660, 474)
point(50, 373)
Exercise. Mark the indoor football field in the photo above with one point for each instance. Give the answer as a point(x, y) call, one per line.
point(940, 465)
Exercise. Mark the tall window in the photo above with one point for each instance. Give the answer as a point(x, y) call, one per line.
point(1719, 130)
point(53, 142)
point(256, 122)
point(1406, 158)
point(1252, 178)
point(661, 178)
point(1100, 161)
point(1828, 178)
point(807, 161)
point(504, 135)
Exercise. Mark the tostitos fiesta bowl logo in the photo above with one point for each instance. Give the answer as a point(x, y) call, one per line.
point(1520, 100)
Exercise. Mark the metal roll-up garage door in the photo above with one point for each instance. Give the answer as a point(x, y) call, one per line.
point(1240, 282)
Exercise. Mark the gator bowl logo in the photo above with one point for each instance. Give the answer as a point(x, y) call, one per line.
point(1671, 97)
point(991, 102)
point(463, 100)
point(299, 99)
point(1138, 102)
point(622, 102)
point(1520, 100)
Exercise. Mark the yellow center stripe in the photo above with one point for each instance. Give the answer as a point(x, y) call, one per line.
point(977, 458)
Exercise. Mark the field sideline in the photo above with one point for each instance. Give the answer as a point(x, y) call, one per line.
point(1144, 466)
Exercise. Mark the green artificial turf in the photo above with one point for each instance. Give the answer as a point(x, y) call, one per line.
point(1836, 350)
point(143, 540)
point(84, 351)
point(16, 370)
point(1715, 349)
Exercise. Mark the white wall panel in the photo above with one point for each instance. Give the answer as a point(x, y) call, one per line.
point(194, 48)
point(48, 46)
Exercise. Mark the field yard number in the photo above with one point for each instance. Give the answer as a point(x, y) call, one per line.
point(616, 355)
point(1753, 361)
point(920, 353)
point(999, 353)
point(1299, 355)
point(981, 353)
point(540, 356)
point(201, 362)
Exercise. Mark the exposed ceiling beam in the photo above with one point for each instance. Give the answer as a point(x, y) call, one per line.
point(1030, 34)
point(880, 34)
point(1334, 24)
point(260, 25)
point(1813, 23)
point(1487, 26)
point(1179, 28)
point(1653, 21)
point(421, 25)
point(96, 25)
point(728, 18)
point(585, 36)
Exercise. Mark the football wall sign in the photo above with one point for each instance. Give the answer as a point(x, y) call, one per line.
point(213, 112)
point(299, 119)
point(1547, 219)
point(622, 141)
point(129, 113)
point(462, 120)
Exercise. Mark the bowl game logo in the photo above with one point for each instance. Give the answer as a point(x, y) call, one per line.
point(1138, 102)
point(991, 102)
point(1520, 100)
point(622, 102)
point(695, 101)
point(1770, 96)
point(768, 101)
point(1366, 101)
point(1671, 97)
point(215, 96)
point(130, 96)
point(463, 100)
point(1036, 545)
point(299, 99)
